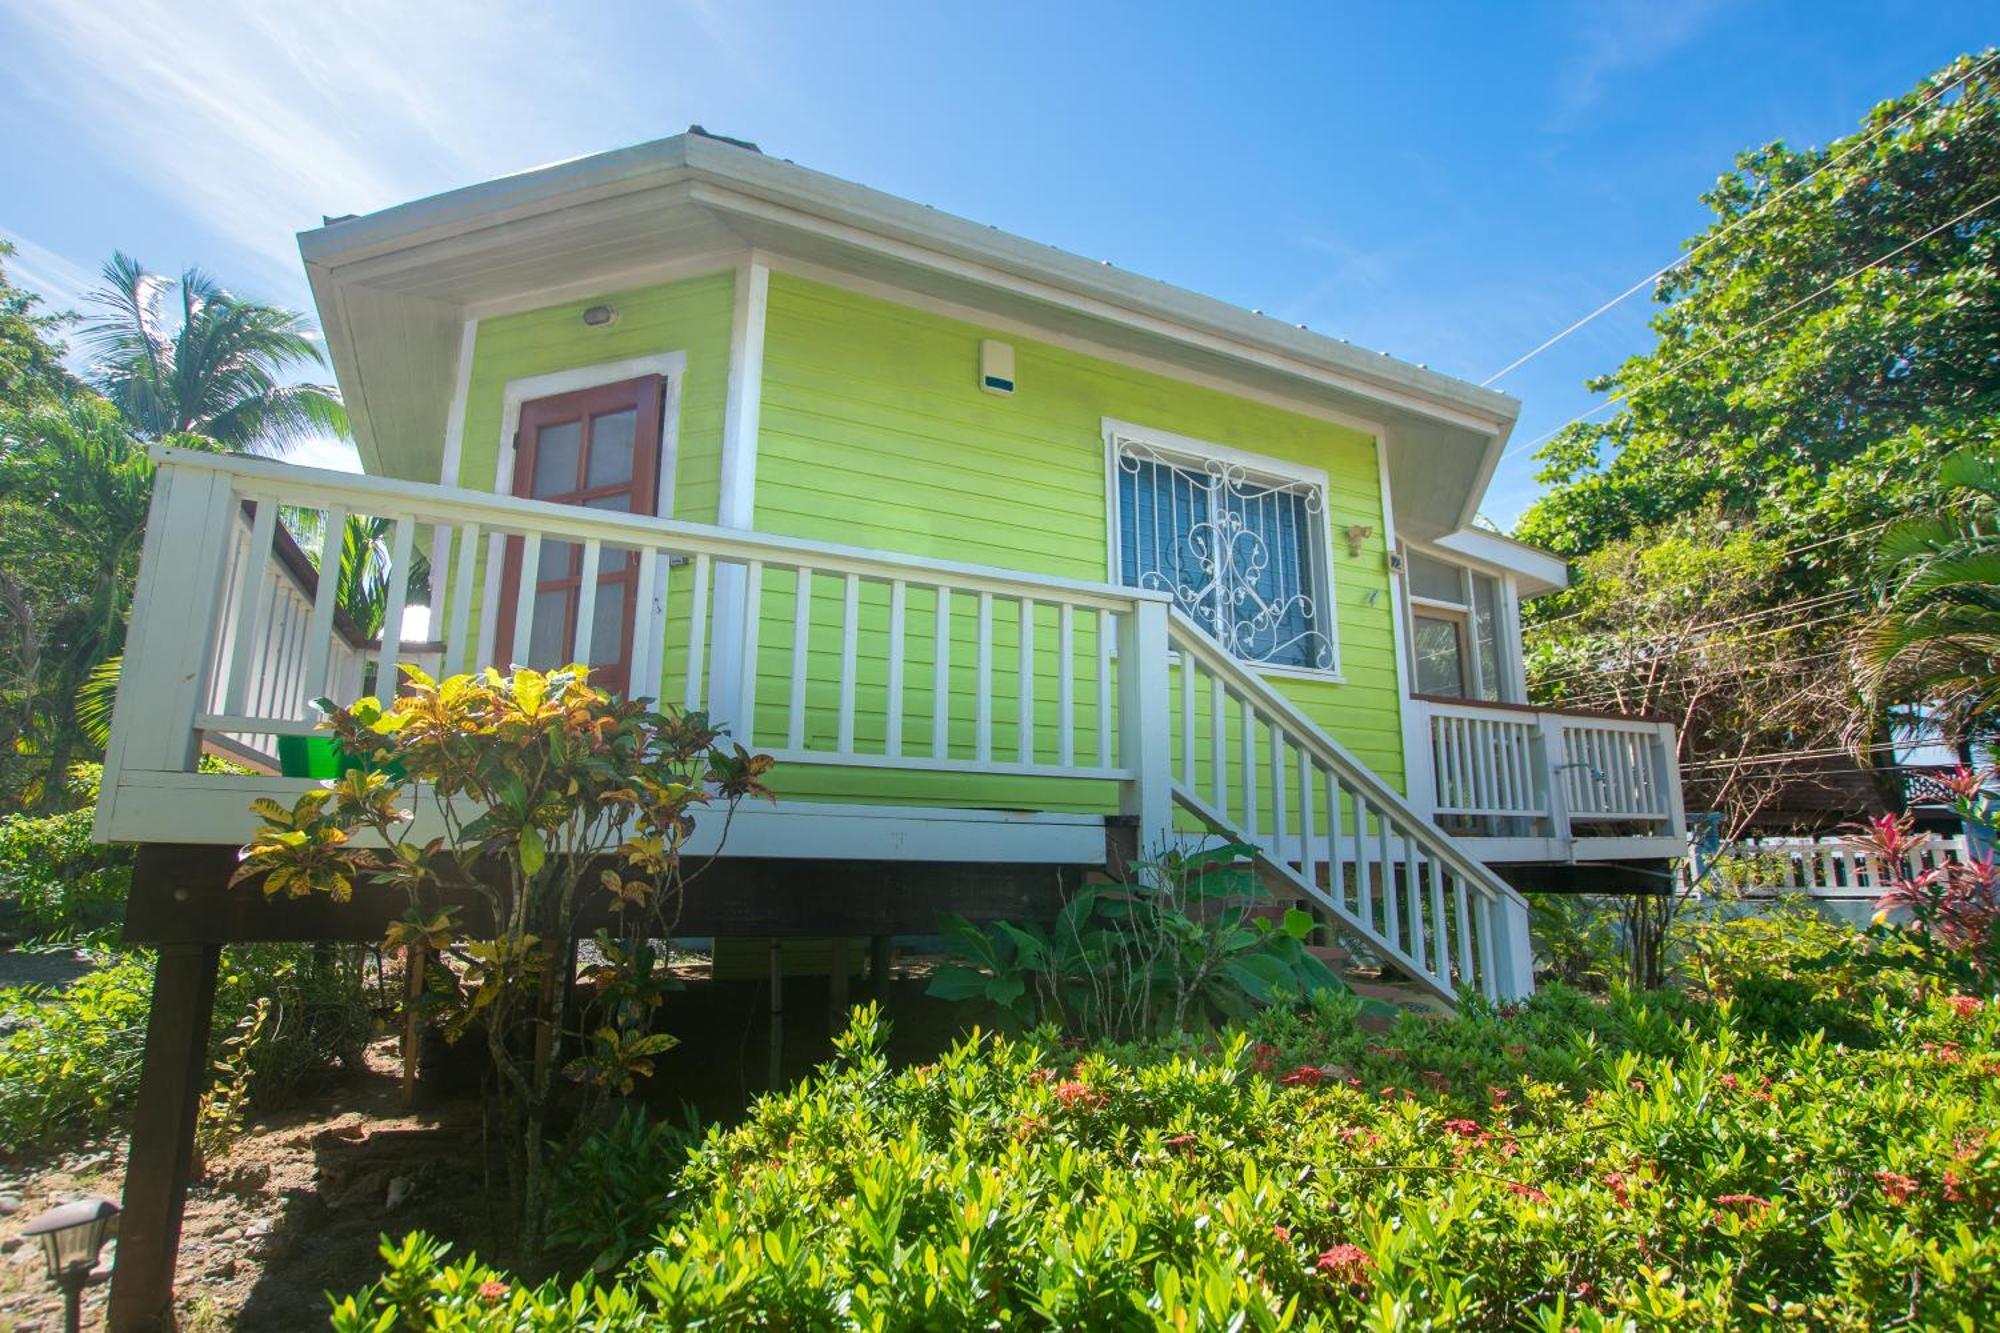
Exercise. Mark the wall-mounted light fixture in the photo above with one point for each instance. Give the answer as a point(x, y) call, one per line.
point(1356, 534)
point(600, 316)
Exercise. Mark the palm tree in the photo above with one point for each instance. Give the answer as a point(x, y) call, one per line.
point(218, 372)
point(1932, 650)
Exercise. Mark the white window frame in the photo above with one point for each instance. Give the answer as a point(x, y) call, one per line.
point(1512, 685)
point(671, 367)
point(1190, 449)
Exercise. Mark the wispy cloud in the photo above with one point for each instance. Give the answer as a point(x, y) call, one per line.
point(258, 119)
point(1624, 35)
point(59, 281)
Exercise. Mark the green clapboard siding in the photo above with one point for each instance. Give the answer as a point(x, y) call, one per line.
point(691, 316)
point(874, 433)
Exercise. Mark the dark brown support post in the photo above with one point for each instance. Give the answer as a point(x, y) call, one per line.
point(156, 1174)
point(836, 987)
point(416, 961)
point(881, 959)
point(777, 1065)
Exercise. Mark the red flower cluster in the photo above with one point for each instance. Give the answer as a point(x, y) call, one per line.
point(1181, 1141)
point(1742, 1201)
point(493, 1289)
point(1043, 1076)
point(1945, 1052)
point(1897, 1188)
point(1367, 1138)
point(1305, 1076)
point(1966, 1005)
point(1620, 1186)
point(1283, 1233)
point(1466, 1129)
point(1076, 1096)
point(1346, 1263)
point(1527, 1191)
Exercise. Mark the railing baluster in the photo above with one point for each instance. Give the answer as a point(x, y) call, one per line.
point(697, 632)
point(1306, 815)
point(326, 598)
point(795, 706)
point(458, 653)
point(941, 677)
point(1066, 686)
point(1440, 934)
point(1218, 740)
point(1279, 804)
point(1466, 974)
point(1364, 891)
point(648, 628)
point(744, 725)
point(1392, 912)
point(392, 614)
point(1247, 722)
point(251, 586)
point(850, 637)
point(1488, 978)
point(1103, 688)
point(1187, 723)
point(892, 736)
point(1333, 859)
point(1024, 726)
point(982, 701)
point(1413, 893)
point(586, 604)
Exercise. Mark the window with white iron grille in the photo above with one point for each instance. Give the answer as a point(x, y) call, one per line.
point(1241, 550)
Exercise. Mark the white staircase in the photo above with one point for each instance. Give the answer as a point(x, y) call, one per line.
point(1252, 768)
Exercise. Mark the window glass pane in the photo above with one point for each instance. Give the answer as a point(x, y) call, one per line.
point(555, 459)
point(1486, 633)
point(1440, 668)
point(555, 561)
point(610, 461)
point(619, 504)
point(1434, 579)
point(1241, 554)
point(548, 638)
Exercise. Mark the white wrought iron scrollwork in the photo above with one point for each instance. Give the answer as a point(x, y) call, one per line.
point(1239, 552)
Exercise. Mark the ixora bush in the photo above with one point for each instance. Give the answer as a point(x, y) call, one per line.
point(54, 880)
point(539, 789)
point(1182, 946)
point(1648, 1160)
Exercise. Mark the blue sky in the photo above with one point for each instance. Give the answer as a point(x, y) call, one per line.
point(1449, 183)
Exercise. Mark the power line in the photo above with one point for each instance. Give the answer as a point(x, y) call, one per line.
point(1670, 654)
point(1742, 218)
point(1712, 349)
point(1605, 696)
point(1830, 752)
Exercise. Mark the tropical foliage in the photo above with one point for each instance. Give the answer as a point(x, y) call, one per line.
point(216, 368)
point(1826, 340)
point(1185, 945)
point(1656, 1160)
point(570, 802)
point(1932, 649)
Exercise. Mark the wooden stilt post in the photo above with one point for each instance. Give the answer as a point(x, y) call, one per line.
point(777, 1064)
point(416, 959)
point(881, 960)
point(156, 1174)
point(836, 987)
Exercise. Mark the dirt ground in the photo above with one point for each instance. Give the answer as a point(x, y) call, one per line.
point(293, 1211)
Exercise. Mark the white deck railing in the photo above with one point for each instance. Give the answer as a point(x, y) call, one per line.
point(818, 654)
point(1252, 767)
point(1553, 781)
point(1824, 867)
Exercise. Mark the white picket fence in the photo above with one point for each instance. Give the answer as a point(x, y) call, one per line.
point(1823, 867)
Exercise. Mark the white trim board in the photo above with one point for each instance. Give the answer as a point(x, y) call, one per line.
point(672, 368)
point(736, 491)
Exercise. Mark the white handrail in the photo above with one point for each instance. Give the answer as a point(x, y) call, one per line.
point(1320, 812)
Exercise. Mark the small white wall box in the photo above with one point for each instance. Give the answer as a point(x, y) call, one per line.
point(996, 367)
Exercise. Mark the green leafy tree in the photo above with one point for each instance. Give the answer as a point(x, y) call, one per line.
point(1831, 335)
point(218, 371)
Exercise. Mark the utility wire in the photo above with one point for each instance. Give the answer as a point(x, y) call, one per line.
point(1713, 348)
point(1668, 655)
point(1740, 219)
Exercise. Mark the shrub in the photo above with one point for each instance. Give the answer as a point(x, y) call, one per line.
point(62, 884)
point(1647, 1160)
point(617, 1184)
point(70, 1055)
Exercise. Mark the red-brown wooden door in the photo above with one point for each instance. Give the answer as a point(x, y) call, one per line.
point(599, 448)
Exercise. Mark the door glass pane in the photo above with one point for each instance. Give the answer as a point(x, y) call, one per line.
point(555, 459)
point(619, 504)
point(1486, 633)
point(1440, 666)
point(555, 561)
point(607, 629)
point(546, 639)
point(611, 438)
